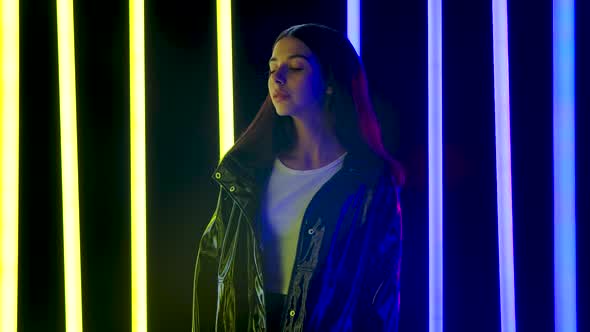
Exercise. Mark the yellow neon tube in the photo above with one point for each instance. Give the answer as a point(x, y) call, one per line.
point(138, 175)
point(9, 124)
point(224, 67)
point(69, 164)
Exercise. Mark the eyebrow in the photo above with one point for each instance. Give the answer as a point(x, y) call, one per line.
point(291, 57)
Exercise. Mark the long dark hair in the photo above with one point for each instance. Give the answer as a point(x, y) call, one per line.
point(356, 125)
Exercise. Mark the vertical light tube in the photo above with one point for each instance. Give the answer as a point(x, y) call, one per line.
point(9, 131)
point(564, 169)
point(353, 23)
point(225, 76)
point(435, 165)
point(69, 164)
point(138, 167)
point(503, 165)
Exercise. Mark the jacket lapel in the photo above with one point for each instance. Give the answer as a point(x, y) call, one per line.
point(243, 184)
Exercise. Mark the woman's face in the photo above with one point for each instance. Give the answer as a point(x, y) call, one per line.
point(295, 82)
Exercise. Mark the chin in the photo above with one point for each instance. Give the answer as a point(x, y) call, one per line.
point(283, 111)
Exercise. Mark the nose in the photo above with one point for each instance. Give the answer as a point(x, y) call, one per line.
point(279, 76)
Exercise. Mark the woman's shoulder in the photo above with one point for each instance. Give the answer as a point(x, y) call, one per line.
point(381, 182)
point(370, 167)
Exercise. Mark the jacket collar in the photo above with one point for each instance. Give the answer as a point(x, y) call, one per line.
point(246, 184)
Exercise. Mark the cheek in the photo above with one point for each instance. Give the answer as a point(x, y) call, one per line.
point(317, 88)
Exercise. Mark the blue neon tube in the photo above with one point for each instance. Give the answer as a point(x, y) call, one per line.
point(435, 173)
point(503, 166)
point(564, 233)
point(353, 23)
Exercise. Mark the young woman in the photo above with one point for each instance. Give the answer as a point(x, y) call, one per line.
point(306, 235)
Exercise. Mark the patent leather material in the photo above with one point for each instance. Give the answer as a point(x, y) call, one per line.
point(346, 271)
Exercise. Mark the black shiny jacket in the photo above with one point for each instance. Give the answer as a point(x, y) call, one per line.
point(346, 271)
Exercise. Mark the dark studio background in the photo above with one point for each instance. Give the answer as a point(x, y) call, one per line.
point(181, 92)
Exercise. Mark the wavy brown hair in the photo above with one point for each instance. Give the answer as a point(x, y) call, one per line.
point(349, 105)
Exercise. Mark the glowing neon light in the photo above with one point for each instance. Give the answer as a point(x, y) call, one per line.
point(138, 166)
point(503, 165)
point(225, 73)
point(9, 129)
point(353, 24)
point(435, 176)
point(564, 169)
point(69, 164)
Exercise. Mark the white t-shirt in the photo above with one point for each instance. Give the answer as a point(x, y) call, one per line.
point(287, 196)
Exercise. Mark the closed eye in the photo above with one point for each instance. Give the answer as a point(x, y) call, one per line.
point(270, 72)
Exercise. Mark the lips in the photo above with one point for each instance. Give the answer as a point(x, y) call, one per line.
point(280, 96)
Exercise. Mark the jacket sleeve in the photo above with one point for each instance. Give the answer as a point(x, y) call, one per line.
point(205, 276)
point(384, 278)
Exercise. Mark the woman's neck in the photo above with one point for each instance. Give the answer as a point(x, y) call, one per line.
point(316, 145)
